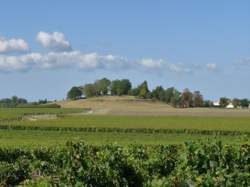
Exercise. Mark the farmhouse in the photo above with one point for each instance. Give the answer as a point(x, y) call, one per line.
point(216, 103)
point(230, 105)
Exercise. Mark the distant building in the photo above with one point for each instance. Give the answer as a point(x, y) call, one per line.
point(216, 103)
point(230, 105)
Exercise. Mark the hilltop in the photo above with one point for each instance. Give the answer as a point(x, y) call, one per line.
point(130, 105)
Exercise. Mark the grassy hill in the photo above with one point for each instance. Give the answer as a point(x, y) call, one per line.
point(129, 105)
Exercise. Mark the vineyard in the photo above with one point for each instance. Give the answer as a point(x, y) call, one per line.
point(80, 164)
point(75, 149)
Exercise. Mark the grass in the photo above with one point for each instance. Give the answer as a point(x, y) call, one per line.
point(166, 122)
point(16, 138)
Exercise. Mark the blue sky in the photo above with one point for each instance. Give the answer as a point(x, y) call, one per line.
point(48, 46)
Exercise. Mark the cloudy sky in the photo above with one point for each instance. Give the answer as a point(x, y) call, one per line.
point(48, 46)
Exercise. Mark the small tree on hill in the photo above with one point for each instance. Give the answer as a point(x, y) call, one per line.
point(197, 99)
point(102, 86)
point(187, 98)
point(143, 90)
point(89, 90)
point(224, 101)
point(74, 93)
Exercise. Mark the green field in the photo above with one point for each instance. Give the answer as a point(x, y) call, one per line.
point(70, 124)
point(160, 122)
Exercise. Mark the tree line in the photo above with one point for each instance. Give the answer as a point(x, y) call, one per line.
point(171, 95)
point(121, 87)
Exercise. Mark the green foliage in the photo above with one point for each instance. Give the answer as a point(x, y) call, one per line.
point(120, 87)
point(12, 102)
point(80, 164)
point(102, 86)
point(224, 102)
point(244, 103)
point(74, 93)
point(143, 90)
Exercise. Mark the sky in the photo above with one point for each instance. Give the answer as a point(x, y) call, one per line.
point(46, 47)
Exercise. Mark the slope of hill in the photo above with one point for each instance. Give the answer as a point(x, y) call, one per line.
point(129, 105)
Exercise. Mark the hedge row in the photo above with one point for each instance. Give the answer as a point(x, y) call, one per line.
point(80, 164)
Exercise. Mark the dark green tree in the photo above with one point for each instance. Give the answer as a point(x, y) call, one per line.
point(158, 92)
point(244, 103)
point(74, 93)
point(102, 86)
point(143, 90)
point(224, 102)
point(120, 87)
point(197, 99)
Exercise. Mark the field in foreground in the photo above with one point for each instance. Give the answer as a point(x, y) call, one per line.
point(122, 150)
point(72, 124)
point(80, 164)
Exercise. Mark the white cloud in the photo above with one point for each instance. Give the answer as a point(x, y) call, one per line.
point(163, 65)
point(56, 60)
point(14, 44)
point(151, 63)
point(211, 66)
point(55, 40)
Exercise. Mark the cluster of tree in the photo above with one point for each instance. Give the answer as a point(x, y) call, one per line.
point(12, 102)
point(20, 102)
point(243, 103)
point(124, 87)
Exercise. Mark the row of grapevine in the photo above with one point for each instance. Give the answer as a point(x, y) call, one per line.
point(80, 164)
point(126, 130)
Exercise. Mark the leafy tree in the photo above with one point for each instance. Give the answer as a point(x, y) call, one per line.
point(102, 86)
point(169, 93)
point(176, 98)
point(197, 99)
point(187, 98)
point(120, 87)
point(74, 93)
point(236, 102)
point(207, 103)
point(143, 90)
point(244, 103)
point(158, 92)
point(89, 90)
point(224, 101)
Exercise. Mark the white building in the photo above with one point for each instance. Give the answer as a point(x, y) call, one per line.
point(216, 103)
point(230, 105)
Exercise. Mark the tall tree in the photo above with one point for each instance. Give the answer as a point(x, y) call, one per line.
point(158, 92)
point(224, 101)
point(187, 98)
point(143, 90)
point(197, 99)
point(244, 103)
point(74, 93)
point(89, 90)
point(102, 86)
point(120, 87)
point(236, 102)
point(176, 98)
